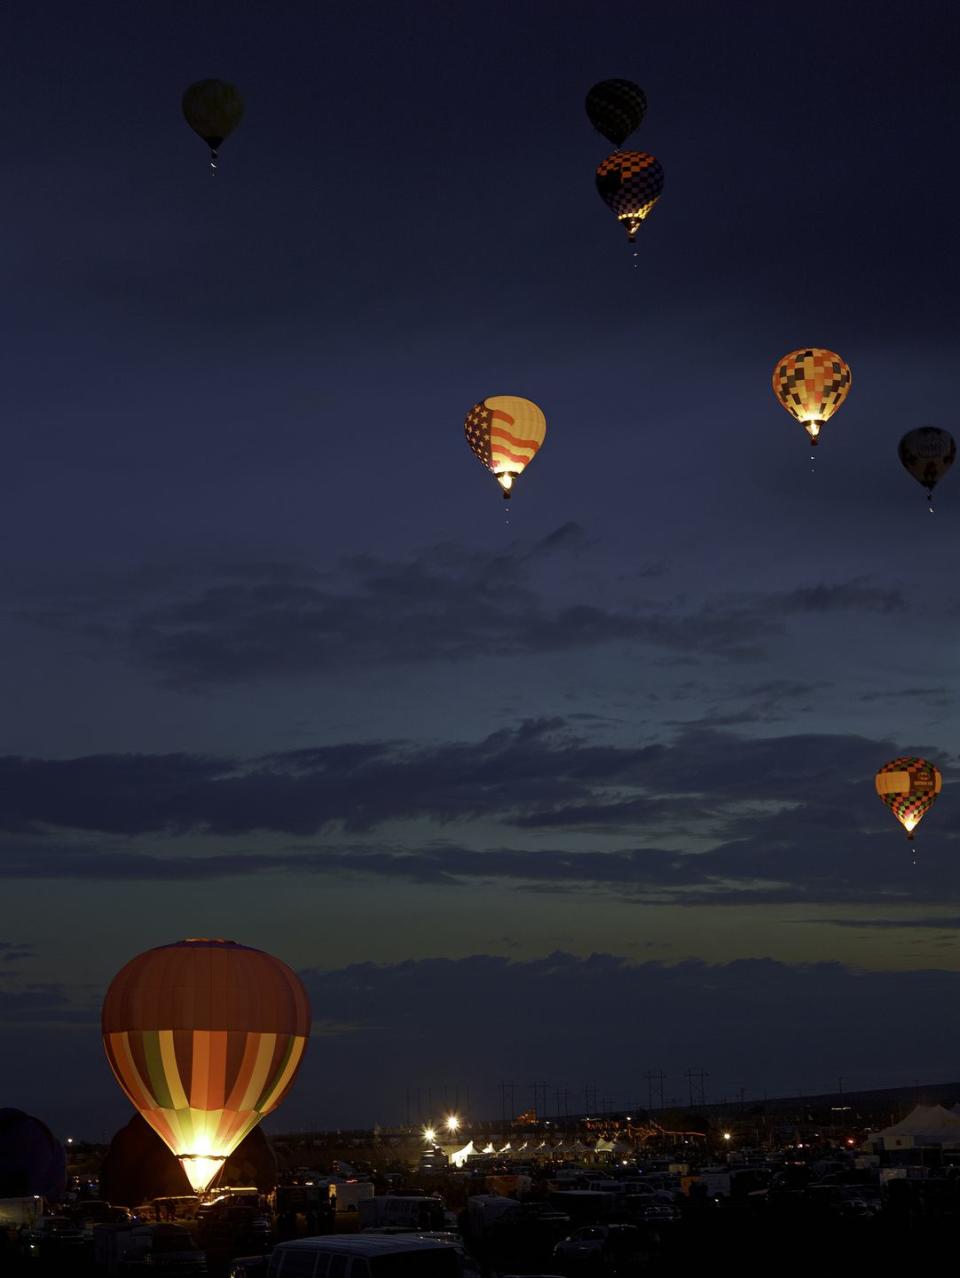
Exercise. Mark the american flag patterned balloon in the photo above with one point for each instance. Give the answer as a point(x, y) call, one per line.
point(505, 433)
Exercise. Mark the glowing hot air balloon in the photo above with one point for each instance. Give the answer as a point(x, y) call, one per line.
point(615, 108)
point(630, 183)
point(927, 453)
point(505, 432)
point(909, 786)
point(212, 108)
point(811, 384)
point(205, 1037)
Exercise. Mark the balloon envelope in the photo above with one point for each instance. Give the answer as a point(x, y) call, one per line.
point(927, 453)
point(505, 432)
point(212, 108)
point(811, 384)
point(615, 108)
point(205, 1037)
point(630, 183)
point(32, 1160)
point(139, 1167)
point(908, 786)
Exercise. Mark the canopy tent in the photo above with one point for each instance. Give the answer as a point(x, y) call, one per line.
point(925, 1125)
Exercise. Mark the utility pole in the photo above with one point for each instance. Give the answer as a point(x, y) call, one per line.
point(654, 1076)
point(696, 1076)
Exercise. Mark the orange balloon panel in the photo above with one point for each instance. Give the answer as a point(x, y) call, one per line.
point(205, 1037)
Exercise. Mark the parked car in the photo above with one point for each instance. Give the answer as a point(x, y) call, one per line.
point(601, 1245)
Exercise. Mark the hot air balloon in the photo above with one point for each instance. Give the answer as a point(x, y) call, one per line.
point(212, 108)
point(908, 786)
point(811, 384)
point(630, 183)
point(927, 453)
point(505, 432)
point(205, 1037)
point(615, 108)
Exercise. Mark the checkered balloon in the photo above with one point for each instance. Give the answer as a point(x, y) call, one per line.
point(909, 786)
point(615, 108)
point(811, 384)
point(630, 183)
point(927, 453)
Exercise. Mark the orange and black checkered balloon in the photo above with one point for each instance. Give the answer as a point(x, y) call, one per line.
point(615, 108)
point(811, 384)
point(630, 183)
point(908, 786)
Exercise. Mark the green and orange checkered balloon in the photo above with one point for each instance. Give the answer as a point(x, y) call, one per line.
point(909, 786)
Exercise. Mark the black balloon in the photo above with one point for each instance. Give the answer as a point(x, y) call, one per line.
point(615, 108)
point(32, 1160)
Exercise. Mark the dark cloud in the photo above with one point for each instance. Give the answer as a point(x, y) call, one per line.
point(757, 1024)
point(42, 1002)
point(12, 952)
point(542, 772)
point(245, 623)
point(933, 921)
point(776, 819)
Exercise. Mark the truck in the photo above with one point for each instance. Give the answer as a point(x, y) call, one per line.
point(411, 1211)
point(20, 1213)
point(123, 1251)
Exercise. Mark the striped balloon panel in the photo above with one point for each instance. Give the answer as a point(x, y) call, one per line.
point(203, 1090)
point(517, 430)
point(206, 985)
point(812, 383)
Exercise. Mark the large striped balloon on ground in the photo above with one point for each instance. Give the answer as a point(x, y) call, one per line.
point(909, 787)
point(811, 384)
point(505, 432)
point(205, 1037)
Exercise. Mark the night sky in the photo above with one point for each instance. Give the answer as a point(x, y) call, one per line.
point(568, 799)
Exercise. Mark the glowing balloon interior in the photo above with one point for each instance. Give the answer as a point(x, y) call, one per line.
point(909, 787)
point(811, 384)
point(505, 432)
point(630, 183)
point(205, 1037)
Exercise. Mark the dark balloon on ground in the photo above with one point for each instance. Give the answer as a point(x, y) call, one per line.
point(32, 1160)
point(139, 1167)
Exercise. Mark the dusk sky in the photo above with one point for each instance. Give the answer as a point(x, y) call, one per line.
point(569, 798)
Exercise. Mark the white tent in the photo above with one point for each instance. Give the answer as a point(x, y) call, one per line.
point(460, 1156)
point(925, 1125)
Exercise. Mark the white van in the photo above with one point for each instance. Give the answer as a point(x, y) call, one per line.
point(364, 1256)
